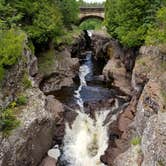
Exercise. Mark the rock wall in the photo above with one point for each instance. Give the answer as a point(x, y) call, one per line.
point(81, 44)
point(149, 119)
point(12, 83)
point(39, 117)
point(28, 143)
point(119, 66)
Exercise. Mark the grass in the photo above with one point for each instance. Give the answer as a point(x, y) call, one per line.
point(8, 116)
point(136, 141)
point(8, 121)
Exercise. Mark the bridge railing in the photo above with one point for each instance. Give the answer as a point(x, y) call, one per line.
point(92, 9)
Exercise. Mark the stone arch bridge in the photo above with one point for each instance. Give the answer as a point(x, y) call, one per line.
point(91, 12)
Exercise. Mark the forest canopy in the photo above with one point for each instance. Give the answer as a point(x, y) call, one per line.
point(132, 21)
point(42, 20)
point(39, 21)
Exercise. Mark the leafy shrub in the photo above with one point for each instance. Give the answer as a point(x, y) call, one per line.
point(136, 141)
point(22, 100)
point(8, 121)
point(11, 47)
point(13, 104)
point(157, 33)
point(45, 19)
point(69, 10)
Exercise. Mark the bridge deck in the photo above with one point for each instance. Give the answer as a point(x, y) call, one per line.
point(91, 9)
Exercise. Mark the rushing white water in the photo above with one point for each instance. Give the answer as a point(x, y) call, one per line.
point(87, 138)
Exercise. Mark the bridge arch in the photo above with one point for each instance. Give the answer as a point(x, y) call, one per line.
point(91, 12)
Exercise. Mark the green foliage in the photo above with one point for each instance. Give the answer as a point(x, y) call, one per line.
point(26, 82)
point(46, 23)
point(68, 36)
point(9, 16)
point(31, 46)
point(12, 104)
point(70, 10)
point(136, 141)
point(161, 163)
point(22, 100)
point(43, 20)
point(11, 47)
point(1, 72)
point(91, 24)
point(129, 20)
point(157, 33)
point(8, 121)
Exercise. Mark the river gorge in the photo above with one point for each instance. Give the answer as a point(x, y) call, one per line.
point(82, 83)
point(88, 108)
point(94, 106)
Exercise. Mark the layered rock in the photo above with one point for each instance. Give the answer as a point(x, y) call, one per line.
point(39, 117)
point(119, 67)
point(28, 143)
point(149, 117)
point(60, 73)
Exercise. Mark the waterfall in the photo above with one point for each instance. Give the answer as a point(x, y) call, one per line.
point(87, 138)
point(84, 70)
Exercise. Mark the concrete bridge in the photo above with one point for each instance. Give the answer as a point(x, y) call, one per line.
point(91, 12)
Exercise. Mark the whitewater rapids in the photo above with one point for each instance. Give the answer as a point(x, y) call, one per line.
point(86, 140)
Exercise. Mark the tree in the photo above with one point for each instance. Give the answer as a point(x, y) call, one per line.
point(157, 33)
point(70, 10)
point(128, 20)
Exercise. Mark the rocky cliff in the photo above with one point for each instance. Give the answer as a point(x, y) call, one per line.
point(38, 116)
point(143, 122)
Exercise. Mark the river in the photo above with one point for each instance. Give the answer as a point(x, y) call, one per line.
point(86, 140)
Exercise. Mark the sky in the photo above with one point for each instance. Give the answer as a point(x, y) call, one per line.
point(94, 0)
